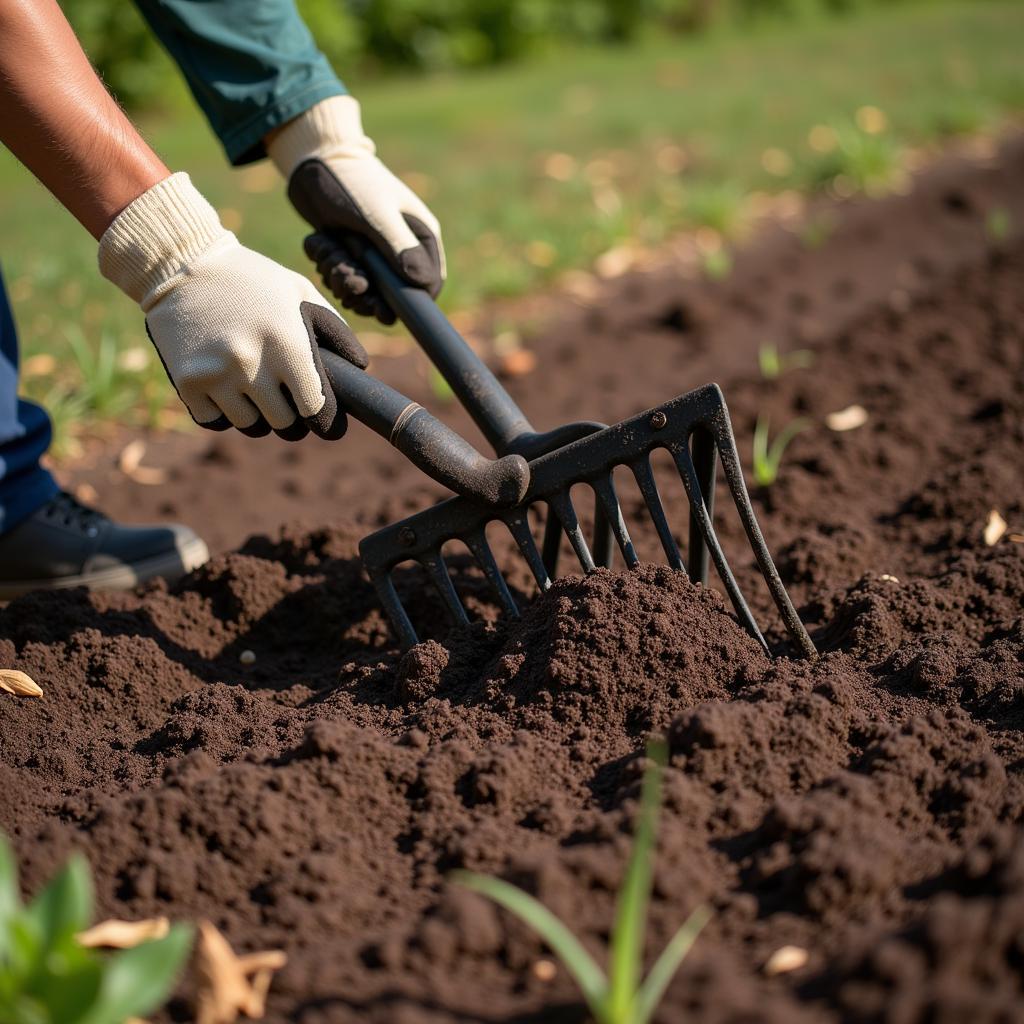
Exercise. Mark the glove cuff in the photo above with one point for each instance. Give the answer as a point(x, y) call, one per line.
point(333, 128)
point(157, 235)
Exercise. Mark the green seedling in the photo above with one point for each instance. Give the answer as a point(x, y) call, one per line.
point(716, 205)
point(66, 409)
point(622, 995)
point(816, 232)
point(774, 364)
point(716, 264)
point(48, 977)
point(439, 387)
point(106, 390)
point(998, 223)
point(868, 163)
point(768, 456)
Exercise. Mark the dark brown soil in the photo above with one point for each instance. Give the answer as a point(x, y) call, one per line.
point(866, 806)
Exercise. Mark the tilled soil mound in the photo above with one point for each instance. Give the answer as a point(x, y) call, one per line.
point(866, 807)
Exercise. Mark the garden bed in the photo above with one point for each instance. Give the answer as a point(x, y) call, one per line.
point(865, 807)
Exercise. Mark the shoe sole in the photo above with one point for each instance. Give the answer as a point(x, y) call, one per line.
point(171, 565)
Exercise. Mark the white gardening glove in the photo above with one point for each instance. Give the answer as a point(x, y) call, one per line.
point(337, 183)
point(238, 334)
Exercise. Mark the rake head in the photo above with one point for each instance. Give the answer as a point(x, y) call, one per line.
point(693, 428)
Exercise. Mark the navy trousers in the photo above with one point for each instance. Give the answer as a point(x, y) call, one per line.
point(25, 433)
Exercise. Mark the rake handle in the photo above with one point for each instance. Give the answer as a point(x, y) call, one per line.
point(424, 440)
point(481, 394)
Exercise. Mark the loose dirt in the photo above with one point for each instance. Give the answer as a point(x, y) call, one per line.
point(865, 807)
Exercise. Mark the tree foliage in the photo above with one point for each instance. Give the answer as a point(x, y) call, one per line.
point(427, 35)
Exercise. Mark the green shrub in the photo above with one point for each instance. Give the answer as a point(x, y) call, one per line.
point(419, 35)
point(48, 977)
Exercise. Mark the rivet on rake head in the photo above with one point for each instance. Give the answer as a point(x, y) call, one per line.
point(658, 420)
point(407, 536)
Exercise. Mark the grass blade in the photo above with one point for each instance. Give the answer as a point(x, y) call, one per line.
point(576, 960)
point(665, 967)
point(627, 940)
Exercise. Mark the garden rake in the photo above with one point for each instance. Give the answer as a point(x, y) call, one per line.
point(541, 468)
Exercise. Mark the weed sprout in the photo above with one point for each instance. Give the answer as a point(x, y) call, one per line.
point(622, 995)
point(774, 364)
point(768, 456)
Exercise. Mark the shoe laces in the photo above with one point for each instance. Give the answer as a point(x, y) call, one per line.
point(69, 511)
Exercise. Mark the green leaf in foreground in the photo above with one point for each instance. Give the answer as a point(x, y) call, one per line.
point(621, 997)
point(48, 977)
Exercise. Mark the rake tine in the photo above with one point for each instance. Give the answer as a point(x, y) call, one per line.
point(611, 512)
point(519, 527)
point(703, 453)
point(552, 542)
point(477, 543)
point(435, 565)
point(561, 504)
point(681, 454)
point(737, 486)
point(649, 491)
point(394, 609)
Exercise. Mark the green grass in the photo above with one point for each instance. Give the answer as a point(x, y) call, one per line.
point(622, 995)
point(538, 168)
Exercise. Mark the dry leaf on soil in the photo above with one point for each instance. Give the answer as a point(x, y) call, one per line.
point(130, 463)
point(18, 683)
point(115, 934)
point(230, 985)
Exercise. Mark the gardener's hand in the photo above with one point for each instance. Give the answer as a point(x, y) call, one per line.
point(239, 335)
point(337, 183)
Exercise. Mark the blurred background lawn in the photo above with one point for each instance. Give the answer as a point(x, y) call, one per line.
point(545, 134)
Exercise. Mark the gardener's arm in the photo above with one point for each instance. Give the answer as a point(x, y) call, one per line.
point(265, 88)
point(62, 124)
point(238, 335)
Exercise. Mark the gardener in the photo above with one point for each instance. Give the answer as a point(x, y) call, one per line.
point(238, 335)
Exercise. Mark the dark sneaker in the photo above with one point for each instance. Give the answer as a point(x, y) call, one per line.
point(67, 544)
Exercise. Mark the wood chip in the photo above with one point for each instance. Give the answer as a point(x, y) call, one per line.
point(544, 970)
point(130, 463)
point(615, 262)
point(232, 985)
point(87, 494)
point(517, 363)
point(995, 527)
point(785, 959)
point(850, 418)
point(18, 683)
point(41, 365)
point(131, 457)
point(115, 934)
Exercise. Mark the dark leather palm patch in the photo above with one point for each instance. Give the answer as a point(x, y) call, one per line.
point(324, 202)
